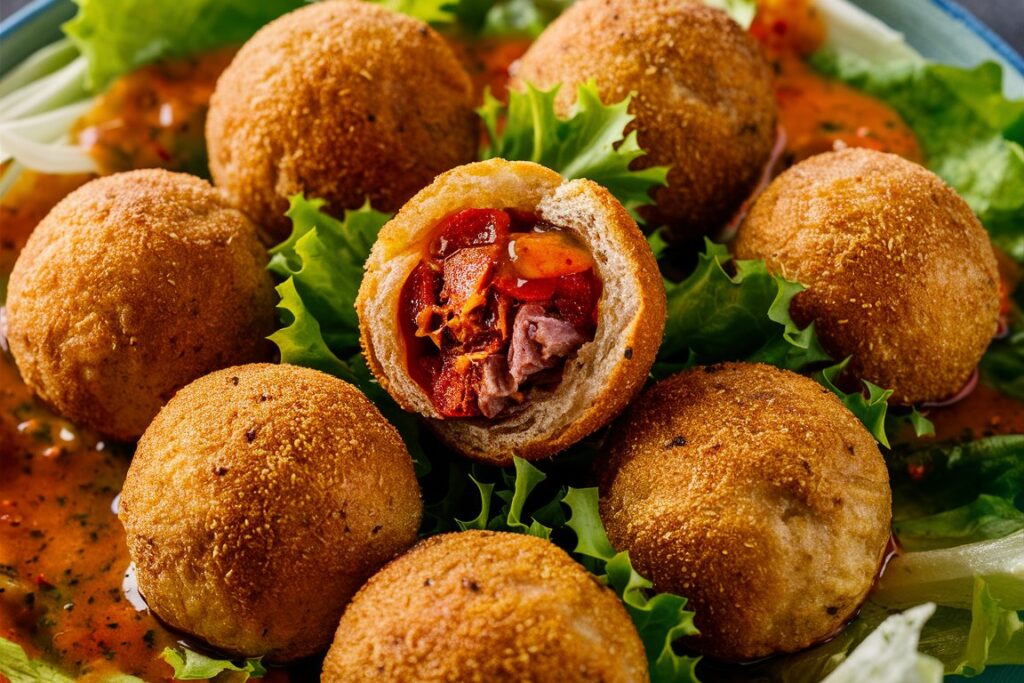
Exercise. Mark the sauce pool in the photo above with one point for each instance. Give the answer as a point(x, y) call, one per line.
point(62, 550)
point(817, 114)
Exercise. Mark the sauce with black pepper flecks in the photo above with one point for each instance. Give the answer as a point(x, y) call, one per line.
point(62, 552)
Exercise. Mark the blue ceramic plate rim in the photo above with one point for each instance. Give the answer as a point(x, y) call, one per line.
point(28, 15)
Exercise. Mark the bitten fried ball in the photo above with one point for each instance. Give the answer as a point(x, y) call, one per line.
point(481, 606)
point(342, 100)
point(553, 318)
point(131, 287)
point(755, 493)
point(900, 274)
point(259, 501)
point(704, 102)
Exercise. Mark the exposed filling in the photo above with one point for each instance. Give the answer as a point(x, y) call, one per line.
point(499, 301)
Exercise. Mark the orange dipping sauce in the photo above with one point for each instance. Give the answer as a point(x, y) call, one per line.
point(62, 549)
point(817, 114)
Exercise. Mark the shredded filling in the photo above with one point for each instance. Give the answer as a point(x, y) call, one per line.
point(497, 304)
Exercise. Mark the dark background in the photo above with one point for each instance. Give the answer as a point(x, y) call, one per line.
point(1005, 16)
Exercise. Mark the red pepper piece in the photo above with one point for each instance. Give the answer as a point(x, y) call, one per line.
point(421, 291)
point(527, 290)
point(466, 273)
point(470, 228)
point(576, 298)
point(453, 396)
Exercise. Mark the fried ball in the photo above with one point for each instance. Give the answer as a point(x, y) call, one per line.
point(131, 287)
point(704, 103)
point(481, 606)
point(755, 493)
point(342, 100)
point(900, 275)
point(259, 501)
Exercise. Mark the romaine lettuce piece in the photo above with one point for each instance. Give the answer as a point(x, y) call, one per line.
point(950, 494)
point(946, 576)
point(118, 36)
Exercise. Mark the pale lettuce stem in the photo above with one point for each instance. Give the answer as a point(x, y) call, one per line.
point(9, 176)
point(946, 576)
point(48, 158)
point(40, 63)
point(45, 127)
point(55, 90)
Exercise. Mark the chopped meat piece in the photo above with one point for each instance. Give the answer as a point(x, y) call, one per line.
point(496, 386)
point(557, 338)
point(538, 342)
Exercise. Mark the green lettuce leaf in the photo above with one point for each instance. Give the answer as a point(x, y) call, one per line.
point(870, 409)
point(430, 11)
point(497, 18)
point(118, 36)
point(16, 665)
point(590, 143)
point(946, 576)
point(970, 133)
point(324, 257)
point(190, 665)
point(921, 425)
point(964, 640)
point(955, 493)
point(741, 11)
point(322, 263)
point(515, 489)
point(527, 507)
point(660, 619)
point(715, 316)
point(968, 641)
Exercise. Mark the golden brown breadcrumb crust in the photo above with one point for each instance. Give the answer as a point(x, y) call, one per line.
point(900, 274)
point(753, 492)
point(131, 287)
point(626, 372)
point(485, 607)
point(704, 102)
point(259, 501)
point(345, 101)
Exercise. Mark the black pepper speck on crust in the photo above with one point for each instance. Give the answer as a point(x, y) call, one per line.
point(900, 274)
point(345, 101)
point(772, 519)
point(134, 285)
point(704, 103)
point(256, 544)
point(481, 606)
